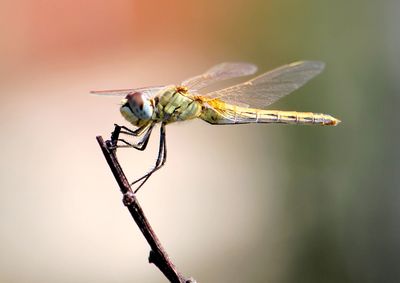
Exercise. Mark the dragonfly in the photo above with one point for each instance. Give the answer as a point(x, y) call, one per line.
point(240, 103)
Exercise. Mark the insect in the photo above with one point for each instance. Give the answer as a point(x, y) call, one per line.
point(237, 104)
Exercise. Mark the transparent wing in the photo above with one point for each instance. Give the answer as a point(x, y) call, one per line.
point(148, 91)
point(271, 86)
point(219, 72)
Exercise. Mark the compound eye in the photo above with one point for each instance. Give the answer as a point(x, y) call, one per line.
point(140, 106)
point(135, 100)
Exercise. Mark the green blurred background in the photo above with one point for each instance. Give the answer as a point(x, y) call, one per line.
point(252, 203)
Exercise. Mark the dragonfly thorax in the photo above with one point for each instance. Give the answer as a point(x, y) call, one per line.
point(135, 107)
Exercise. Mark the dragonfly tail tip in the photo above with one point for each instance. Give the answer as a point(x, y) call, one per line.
point(334, 122)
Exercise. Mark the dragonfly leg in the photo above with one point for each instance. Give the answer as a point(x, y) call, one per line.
point(117, 131)
point(125, 130)
point(161, 159)
point(142, 144)
point(138, 132)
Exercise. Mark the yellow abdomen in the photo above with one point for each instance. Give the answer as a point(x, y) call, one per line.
point(220, 112)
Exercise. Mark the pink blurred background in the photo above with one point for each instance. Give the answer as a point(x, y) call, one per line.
point(233, 204)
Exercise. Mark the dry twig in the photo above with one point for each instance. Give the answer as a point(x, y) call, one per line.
point(158, 256)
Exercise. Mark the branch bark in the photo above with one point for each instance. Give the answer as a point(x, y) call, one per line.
point(157, 256)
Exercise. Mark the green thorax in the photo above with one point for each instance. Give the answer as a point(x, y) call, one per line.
point(174, 104)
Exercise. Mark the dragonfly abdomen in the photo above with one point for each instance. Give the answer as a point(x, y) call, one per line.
point(222, 113)
point(292, 117)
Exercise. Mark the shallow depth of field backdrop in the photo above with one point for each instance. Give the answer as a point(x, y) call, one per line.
point(252, 203)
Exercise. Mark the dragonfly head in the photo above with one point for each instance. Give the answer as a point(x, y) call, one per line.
point(136, 106)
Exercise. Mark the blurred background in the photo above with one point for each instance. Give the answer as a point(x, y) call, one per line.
point(250, 203)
